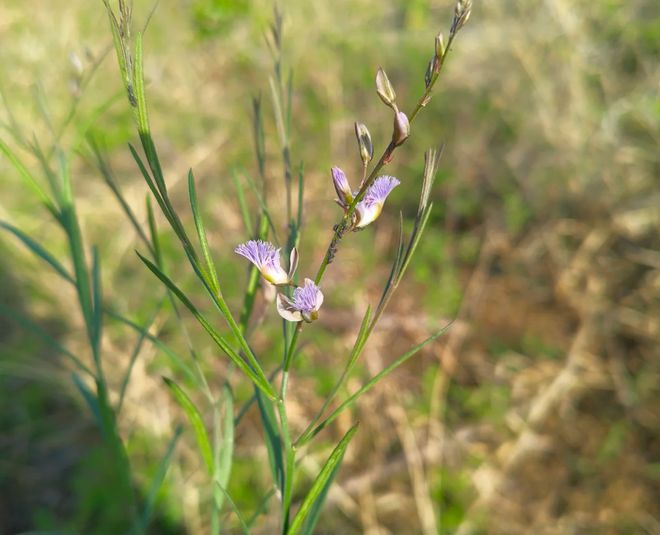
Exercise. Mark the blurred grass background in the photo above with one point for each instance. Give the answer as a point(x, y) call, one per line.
point(539, 411)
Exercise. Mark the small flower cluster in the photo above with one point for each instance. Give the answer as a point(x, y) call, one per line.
point(306, 300)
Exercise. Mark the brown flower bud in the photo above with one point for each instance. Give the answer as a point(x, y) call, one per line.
point(384, 88)
point(401, 128)
point(364, 142)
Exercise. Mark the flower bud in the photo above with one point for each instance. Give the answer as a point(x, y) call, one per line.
point(439, 45)
point(462, 13)
point(342, 187)
point(364, 142)
point(384, 88)
point(401, 128)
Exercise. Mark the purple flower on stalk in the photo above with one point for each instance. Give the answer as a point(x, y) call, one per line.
point(371, 205)
point(266, 257)
point(342, 187)
point(305, 303)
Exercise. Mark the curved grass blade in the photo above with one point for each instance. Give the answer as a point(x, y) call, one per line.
point(169, 352)
point(201, 233)
point(157, 482)
point(234, 508)
point(321, 483)
point(224, 445)
point(371, 383)
point(39, 251)
point(195, 419)
point(258, 380)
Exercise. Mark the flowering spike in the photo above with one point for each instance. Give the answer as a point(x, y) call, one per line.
point(401, 128)
point(342, 187)
point(384, 89)
point(266, 257)
point(370, 207)
point(305, 304)
point(462, 13)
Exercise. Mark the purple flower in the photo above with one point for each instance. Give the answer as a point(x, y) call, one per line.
point(266, 257)
point(342, 187)
point(304, 305)
point(371, 205)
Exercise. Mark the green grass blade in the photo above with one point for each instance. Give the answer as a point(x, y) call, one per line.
point(272, 439)
point(138, 81)
point(157, 482)
point(153, 234)
point(322, 481)
point(169, 352)
point(242, 203)
point(358, 346)
point(39, 251)
point(317, 506)
point(90, 399)
point(224, 444)
point(195, 419)
point(244, 527)
point(258, 380)
point(97, 304)
point(27, 177)
point(142, 336)
point(201, 233)
point(29, 325)
point(372, 382)
point(104, 168)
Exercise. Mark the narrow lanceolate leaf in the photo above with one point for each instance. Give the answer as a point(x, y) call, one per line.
point(371, 383)
point(315, 512)
point(321, 483)
point(90, 399)
point(244, 527)
point(195, 419)
point(138, 80)
point(258, 379)
point(177, 360)
point(153, 234)
point(201, 232)
point(97, 303)
point(157, 482)
point(29, 325)
point(242, 203)
point(27, 176)
point(224, 445)
point(39, 251)
point(272, 439)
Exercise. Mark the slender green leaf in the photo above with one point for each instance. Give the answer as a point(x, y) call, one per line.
point(234, 508)
point(242, 203)
point(201, 232)
point(371, 383)
point(195, 419)
point(317, 506)
point(39, 251)
point(153, 233)
point(138, 80)
point(97, 303)
point(27, 177)
point(90, 399)
point(169, 352)
point(142, 336)
point(322, 482)
point(258, 380)
point(224, 443)
point(29, 325)
point(158, 479)
point(272, 439)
